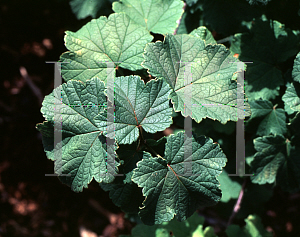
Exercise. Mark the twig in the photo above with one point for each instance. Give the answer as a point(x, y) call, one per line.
point(36, 91)
point(229, 38)
point(237, 206)
point(142, 141)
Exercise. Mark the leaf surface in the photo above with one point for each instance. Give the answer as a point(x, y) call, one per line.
point(211, 91)
point(267, 44)
point(85, 8)
point(169, 190)
point(157, 16)
point(115, 39)
point(192, 227)
point(296, 69)
point(269, 157)
point(203, 33)
point(138, 105)
point(274, 119)
point(81, 155)
point(291, 98)
point(253, 228)
point(230, 189)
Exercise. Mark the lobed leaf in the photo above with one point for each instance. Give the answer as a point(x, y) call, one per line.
point(138, 105)
point(267, 44)
point(211, 91)
point(116, 39)
point(169, 190)
point(157, 16)
point(81, 155)
point(291, 98)
point(274, 120)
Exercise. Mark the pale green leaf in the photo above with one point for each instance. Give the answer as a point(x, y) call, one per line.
point(115, 39)
point(157, 16)
point(212, 91)
point(169, 190)
point(203, 33)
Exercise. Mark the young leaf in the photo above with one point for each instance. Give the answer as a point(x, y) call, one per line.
point(83, 147)
point(267, 44)
point(253, 228)
point(203, 33)
point(230, 189)
point(138, 105)
point(212, 92)
point(157, 16)
point(116, 39)
point(164, 179)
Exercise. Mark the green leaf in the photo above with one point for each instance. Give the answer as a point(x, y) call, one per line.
point(289, 173)
point(213, 93)
point(157, 16)
point(267, 44)
point(253, 228)
point(191, 227)
point(117, 40)
point(274, 121)
point(158, 146)
point(138, 105)
point(85, 8)
point(83, 148)
point(230, 189)
point(164, 179)
point(296, 69)
point(125, 194)
point(269, 157)
point(276, 159)
point(291, 98)
point(203, 33)
point(260, 108)
point(225, 17)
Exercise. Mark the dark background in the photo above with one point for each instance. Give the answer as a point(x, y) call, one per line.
point(31, 33)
